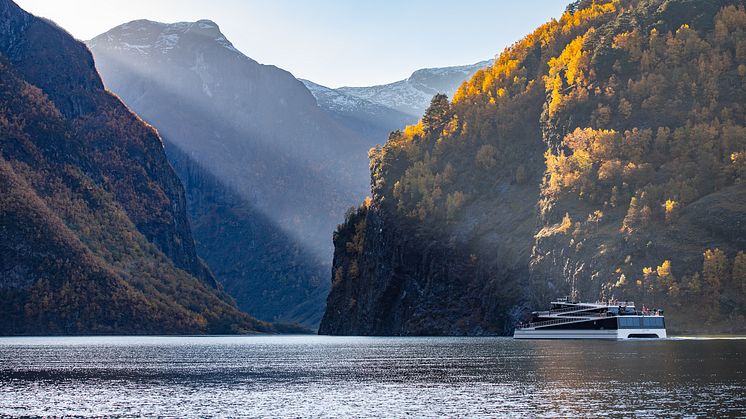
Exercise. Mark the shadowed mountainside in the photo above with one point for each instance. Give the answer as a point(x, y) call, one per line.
point(258, 133)
point(257, 263)
point(94, 236)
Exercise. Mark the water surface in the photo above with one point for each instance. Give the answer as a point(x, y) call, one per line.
point(311, 376)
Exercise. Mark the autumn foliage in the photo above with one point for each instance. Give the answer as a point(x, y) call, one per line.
point(622, 116)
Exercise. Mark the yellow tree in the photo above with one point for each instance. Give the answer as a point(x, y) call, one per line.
point(714, 268)
point(666, 281)
point(715, 272)
point(647, 283)
point(664, 270)
point(671, 210)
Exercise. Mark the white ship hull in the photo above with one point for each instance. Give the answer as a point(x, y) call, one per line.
point(540, 333)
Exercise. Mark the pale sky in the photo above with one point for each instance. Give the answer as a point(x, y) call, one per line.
point(331, 42)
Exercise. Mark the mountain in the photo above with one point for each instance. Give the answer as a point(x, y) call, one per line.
point(412, 95)
point(259, 133)
point(94, 236)
point(370, 120)
point(600, 156)
point(374, 112)
point(263, 268)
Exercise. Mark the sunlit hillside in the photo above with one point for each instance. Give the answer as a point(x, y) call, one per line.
point(600, 156)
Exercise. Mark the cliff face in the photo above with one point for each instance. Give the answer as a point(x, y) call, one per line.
point(390, 279)
point(94, 235)
point(600, 156)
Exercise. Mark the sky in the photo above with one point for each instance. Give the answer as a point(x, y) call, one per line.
point(331, 42)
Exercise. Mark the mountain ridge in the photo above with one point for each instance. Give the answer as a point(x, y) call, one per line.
point(412, 95)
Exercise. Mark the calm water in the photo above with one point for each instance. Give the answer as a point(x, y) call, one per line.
point(305, 376)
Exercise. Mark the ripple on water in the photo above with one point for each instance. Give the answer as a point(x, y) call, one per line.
point(354, 377)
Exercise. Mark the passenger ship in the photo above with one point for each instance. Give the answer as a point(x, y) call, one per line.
point(600, 320)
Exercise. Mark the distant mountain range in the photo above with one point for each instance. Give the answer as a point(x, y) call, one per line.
point(395, 104)
point(372, 120)
point(412, 95)
point(254, 126)
point(375, 111)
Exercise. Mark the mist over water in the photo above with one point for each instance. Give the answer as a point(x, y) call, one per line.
point(305, 376)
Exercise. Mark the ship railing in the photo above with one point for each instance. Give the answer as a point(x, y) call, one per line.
point(617, 303)
point(581, 318)
point(579, 307)
point(589, 306)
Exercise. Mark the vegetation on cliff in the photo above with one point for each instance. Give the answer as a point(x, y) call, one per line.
point(611, 140)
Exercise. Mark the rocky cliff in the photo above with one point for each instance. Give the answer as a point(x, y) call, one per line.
point(601, 156)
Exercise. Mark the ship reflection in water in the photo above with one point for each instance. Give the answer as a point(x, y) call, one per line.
point(357, 377)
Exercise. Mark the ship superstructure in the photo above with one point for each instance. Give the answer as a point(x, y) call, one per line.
point(600, 320)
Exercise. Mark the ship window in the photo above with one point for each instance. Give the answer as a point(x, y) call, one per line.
point(653, 322)
point(629, 322)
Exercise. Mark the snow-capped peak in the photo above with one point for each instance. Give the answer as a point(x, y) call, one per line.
point(145, 36)
point(413, 95)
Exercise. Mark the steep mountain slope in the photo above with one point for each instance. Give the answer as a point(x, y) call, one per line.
point(254, 128)
point(260, 265)
point(94, 236)
point(412, 95)
point(600, 156)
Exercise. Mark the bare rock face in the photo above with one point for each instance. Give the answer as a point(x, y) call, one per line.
point(419, 286)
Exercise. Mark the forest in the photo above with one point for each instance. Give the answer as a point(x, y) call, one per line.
point(618, 129)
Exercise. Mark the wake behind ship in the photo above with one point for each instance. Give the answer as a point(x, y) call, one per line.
point(600, 320)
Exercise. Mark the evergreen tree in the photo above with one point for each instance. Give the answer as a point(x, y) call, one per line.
point(437, 114)
point(739, 272)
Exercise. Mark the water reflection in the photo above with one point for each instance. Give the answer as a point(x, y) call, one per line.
point(326, 376)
